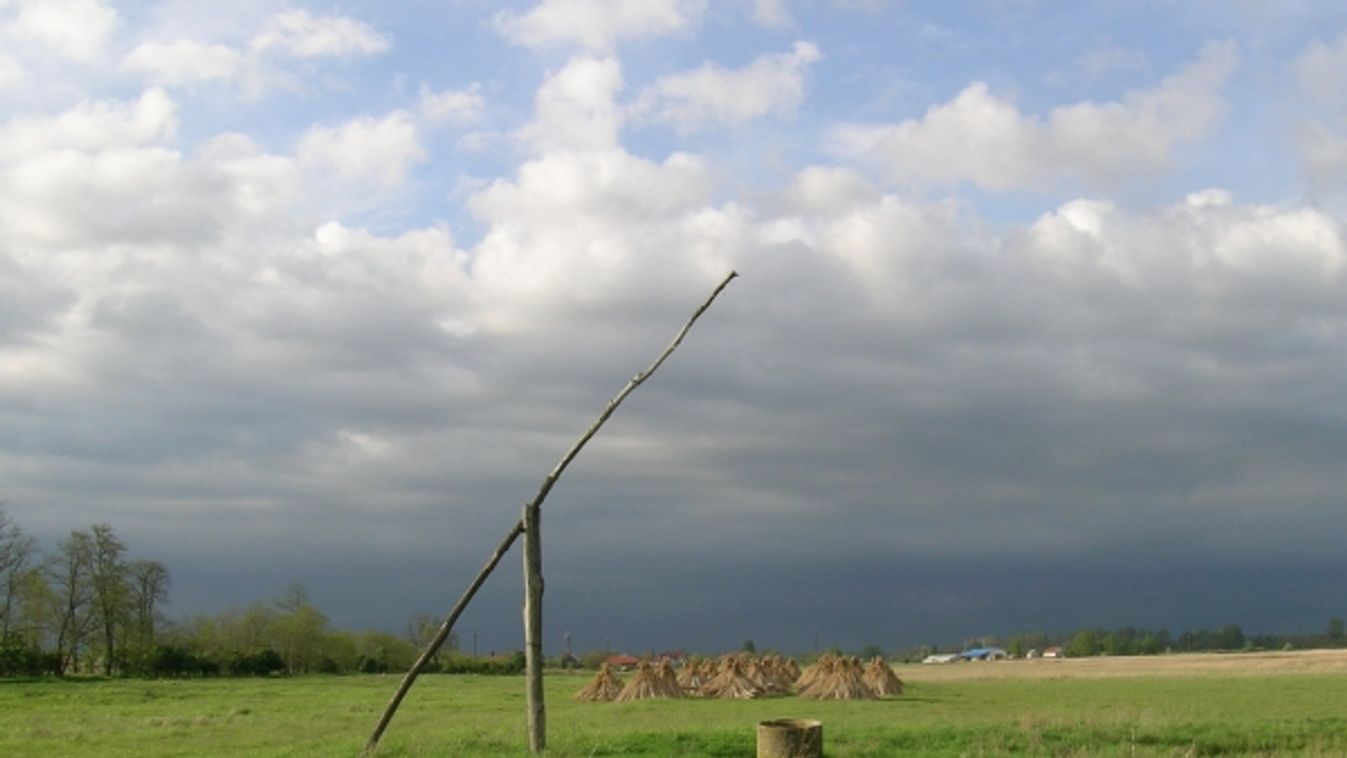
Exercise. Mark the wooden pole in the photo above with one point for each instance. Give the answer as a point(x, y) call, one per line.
point(534, 505)
point(533, 628)
point(443, 634)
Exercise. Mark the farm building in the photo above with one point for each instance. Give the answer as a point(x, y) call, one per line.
point(984, 654)
point(676, 657)
point(622, 662)
point(1052, 652)
point(941, 658)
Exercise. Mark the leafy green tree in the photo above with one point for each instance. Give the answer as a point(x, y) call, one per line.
point(340, 653)
point(37, 605)
point(1231, 637)
point(299, 629)
point(871, 651)
point(593, 659)
point(1084, 643)
point(748, 647)
point(380, 653)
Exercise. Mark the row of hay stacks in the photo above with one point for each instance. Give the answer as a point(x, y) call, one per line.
point(742, 677)
point(839, 678)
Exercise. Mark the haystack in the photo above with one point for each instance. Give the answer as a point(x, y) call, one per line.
point(844, 681)
point(690, 678)
point(667, 680)
point(648, 683)
point(732, 684)
point(880, 677)
point(778, 676)
point(763, 674)
point(604, 686)
point(821, 668)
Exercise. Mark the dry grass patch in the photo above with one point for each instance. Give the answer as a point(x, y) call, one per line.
point(1181, 665)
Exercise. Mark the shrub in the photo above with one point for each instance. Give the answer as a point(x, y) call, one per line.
point(17, 658)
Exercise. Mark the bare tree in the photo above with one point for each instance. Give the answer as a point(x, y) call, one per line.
point(70, 571)
point(111, 592)
point(16, 557)
point(149, 582)
point(421, 630)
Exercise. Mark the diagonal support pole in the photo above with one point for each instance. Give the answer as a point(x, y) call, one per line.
point(536, 741)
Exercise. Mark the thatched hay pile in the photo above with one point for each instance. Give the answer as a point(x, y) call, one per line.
point(838, 679)
point(649, 683)
point(770, 674)
point(732, 683)
point(604, 686)
point(694, 674)
point(820, 668)
point(668, 679)
point(880, 677)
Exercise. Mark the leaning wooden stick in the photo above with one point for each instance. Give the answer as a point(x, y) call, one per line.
point(440, 637)
point(536, 722)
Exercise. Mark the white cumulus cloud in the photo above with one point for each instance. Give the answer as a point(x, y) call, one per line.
point(11, 72)
point(984, 139)
point(458, 107)
point(76, 29)
point(92, 125)
point(576, 108)
point(597, 24)
point(183, 62)
point(304, 35)
point(583, 227)
point(772, 13)
point(378, 149)
point(1323, 156)
point(1321, 70)
point(712, 96)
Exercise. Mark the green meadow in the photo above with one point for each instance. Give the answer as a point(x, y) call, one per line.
point(1153, 715)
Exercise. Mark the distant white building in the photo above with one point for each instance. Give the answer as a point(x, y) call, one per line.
point(942, 658)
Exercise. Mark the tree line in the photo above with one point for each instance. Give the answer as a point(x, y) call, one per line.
point(87, 607)
point(1133, 641)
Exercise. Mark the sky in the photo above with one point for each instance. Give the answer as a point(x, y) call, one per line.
point(1040, 324)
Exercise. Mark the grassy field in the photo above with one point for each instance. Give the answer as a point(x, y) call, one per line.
point(1237, 705)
